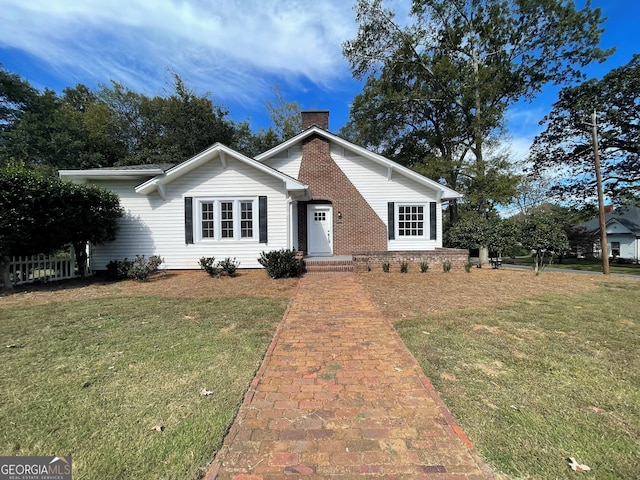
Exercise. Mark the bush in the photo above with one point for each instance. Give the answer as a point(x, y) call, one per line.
point(119, 269)
point(208, 265)
point(404, 267)
point(424, 266)
point(229, 266)
point(467, 267)
point(280, 263)
point(223, 267)
point(138, 269)
point(386, 267)
point(142, 267)
point(446, 266)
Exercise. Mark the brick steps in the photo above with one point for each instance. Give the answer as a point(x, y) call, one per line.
point(327, 266)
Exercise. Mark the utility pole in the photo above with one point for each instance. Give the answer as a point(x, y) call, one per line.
point(603, 224)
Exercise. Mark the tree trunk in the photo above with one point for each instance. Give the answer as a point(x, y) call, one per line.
point(453, 211)
point(483, 256)
point(80, 250)
point(5, 278)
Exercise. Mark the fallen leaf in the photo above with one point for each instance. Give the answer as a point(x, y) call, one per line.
point(576, 467)
point(205, 393)
point(448, 376)
point(158, 428)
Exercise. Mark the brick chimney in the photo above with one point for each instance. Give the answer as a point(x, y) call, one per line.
point(319, 118)
point(356, 226)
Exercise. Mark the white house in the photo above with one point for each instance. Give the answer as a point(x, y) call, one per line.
point(623, 231)
point(316, 192)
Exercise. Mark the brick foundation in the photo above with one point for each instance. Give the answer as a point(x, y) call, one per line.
point(364, 262)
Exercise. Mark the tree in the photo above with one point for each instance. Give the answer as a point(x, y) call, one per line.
point(91, 216)
point(30, 215)
point(543, 237)
point(15, 96)
point(565, 147)
point(191, 123)
point(286, 122)
point(438, 88)
point(285, 116)
point(165, 129)
point(497, 234)
point(42, 214)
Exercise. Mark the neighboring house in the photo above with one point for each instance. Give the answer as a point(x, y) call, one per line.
point(623, 231)
point(316, 192)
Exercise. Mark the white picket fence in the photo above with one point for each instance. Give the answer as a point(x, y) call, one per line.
point(43, 268)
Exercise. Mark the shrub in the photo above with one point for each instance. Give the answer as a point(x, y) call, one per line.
point(208, 265)
point(404, 267)
point(223, 267)
point(229, 266)
point(467, 267)
point(142, 267)
point(446, 266)
point(424, 266)
point(386, 267)
point(138, 269)
point(119, 269)
point(280, 263)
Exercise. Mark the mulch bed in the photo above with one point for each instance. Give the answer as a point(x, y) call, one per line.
point(178, 284)
point(399, 295)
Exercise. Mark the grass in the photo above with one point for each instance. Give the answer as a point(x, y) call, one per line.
point(92, 378)
point(584, 264)
point(542, 379)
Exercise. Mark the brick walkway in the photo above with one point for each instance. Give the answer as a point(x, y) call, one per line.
point(339, 396)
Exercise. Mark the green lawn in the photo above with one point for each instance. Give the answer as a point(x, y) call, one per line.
point(542, 379)
point(91, 379)
point(585, 264)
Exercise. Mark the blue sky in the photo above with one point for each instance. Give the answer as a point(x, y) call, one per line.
point(234, 50)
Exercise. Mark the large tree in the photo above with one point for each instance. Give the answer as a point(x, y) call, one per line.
point(440, 81)
point(15, 96)
point(565, 147)
point(41, 214)
point(91, 217)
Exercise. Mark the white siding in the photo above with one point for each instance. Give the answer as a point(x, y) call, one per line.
point(287, 162)
point(628, 245)
point(153, 226)
point(371, 181)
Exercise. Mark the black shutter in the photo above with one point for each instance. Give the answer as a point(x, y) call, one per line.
point(391, 220)
point(188, 220)
point(262, 218)
point(433, 224)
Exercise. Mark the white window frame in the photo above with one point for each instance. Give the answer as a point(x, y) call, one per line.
point(217, 219)
point(425, 221)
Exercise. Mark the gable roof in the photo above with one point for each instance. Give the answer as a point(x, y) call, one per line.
point(221, 152)
point(444, 193)
point(628, 216)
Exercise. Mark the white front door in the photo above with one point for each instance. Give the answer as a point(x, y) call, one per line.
point(320, 229)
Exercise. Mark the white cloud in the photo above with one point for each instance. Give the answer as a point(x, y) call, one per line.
point(233, 48)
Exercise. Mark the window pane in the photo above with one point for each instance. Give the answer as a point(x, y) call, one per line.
point(226, 219)
point(207, 220)
point(246, 219)
point(410, 220)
